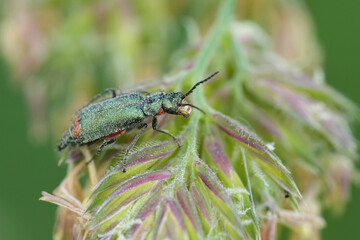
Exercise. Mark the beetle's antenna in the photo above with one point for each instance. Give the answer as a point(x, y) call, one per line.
point(201, 82)
point(188, 104)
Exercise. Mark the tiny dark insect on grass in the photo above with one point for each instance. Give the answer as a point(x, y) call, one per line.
point(109, 118)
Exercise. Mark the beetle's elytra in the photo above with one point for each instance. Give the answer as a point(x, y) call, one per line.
point(116, 115)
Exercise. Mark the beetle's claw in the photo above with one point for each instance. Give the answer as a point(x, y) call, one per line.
point(89, 161)
point(124, 163)
point(178, 142)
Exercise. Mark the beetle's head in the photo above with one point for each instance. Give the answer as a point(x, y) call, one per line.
point(174, 103)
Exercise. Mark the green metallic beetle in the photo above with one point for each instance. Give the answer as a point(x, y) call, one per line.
point(112, 117)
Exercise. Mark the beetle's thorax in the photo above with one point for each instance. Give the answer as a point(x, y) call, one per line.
point(153, 104)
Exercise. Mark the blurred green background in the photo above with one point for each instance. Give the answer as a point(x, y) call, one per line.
point(339, 37)
point(28, 168)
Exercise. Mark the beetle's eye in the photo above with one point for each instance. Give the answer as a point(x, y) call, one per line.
point(184, 110)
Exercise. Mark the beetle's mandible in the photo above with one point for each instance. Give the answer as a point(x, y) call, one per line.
point(109, 118)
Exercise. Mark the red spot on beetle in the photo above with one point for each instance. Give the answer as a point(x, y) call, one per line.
point(77, 127)
point(161, 112)
point(116, 134)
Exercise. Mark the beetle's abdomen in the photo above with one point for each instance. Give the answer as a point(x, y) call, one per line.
point(63, 143)
point(109, 118)
point(105, 119)
point(66, 140)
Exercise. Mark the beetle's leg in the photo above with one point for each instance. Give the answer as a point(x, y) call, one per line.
point(132, 144)
point(104, 144)
point(154, 126)
point(106, 94)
